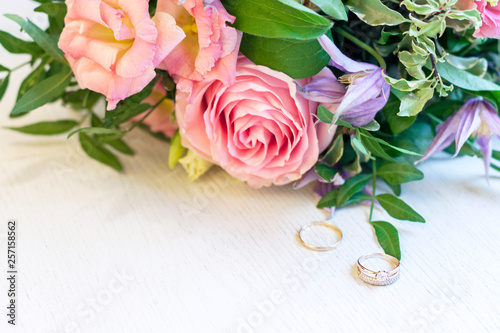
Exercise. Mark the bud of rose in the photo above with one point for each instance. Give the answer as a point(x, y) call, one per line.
point(194, 165)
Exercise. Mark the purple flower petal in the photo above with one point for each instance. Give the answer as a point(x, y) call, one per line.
point(484, 143)
point(307, 178)
point(469, 122)
point(489, 116)
point(364, 90)
point(341, 61)
point(444, 137)
point(324, 88)
point(362, 114)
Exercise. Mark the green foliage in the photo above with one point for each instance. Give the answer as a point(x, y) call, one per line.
point(276, 19)
point(388, 238)
point(326, 172)
point(398, 173)
point(18, 46)
point(398, 209)
point(4, 83)
point(352, 186)
point(43, 92)
point(374, 12)
point(96, 150)
point(334, 8)
point(324, 115)
point(40, 37)
point(297, 58)
point(47, 127)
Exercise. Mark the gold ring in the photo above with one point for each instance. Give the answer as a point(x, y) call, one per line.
point(378, 278)
point(320, 224)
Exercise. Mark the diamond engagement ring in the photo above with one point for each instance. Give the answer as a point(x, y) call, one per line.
point(378, 278)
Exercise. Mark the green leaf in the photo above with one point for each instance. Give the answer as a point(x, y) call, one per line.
point(405, 85)
point(374, 12)
point(31, 80)
point(120, 146)
point(43, 92)
point(398, 173)
point(426, 9)
point(324, 114)
point(396, 123)
point(496, 155)
point(335, 151)
point(4, 83)
point(46, 127)
point(341, 122)
point(474, 65)
point(404, 151)
point(351, 186)
point(495, 167)
point(357, 198)
point(176, 150)
point(53, 9)
point(372, 126)
point(110, 133)
point(388, 238)
point(117, 144)
point(398, 209)
point(40, 37)
point(358, 146)
point(97, 151)
point(334, 8)
point(469, 82)
point(326, 172)
point(296, 58)
point(396, 189)
point(276, 19)
point(17, 46)
point(81, 99)
point(328, 200)
point(443, 108)
point(413, 103)
point(375, 148)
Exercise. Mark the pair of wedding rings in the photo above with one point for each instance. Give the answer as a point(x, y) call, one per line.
point(377, 278)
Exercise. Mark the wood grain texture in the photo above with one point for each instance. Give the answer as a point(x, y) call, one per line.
point(147, 251)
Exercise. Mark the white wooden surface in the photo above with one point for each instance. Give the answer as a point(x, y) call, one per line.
point(147, 251)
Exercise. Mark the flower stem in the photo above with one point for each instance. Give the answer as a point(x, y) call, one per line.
point(21, 65)
point(374, 185)
point(363, 45)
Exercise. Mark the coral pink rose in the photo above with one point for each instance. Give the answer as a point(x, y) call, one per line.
point(490, 15)
point(161, 120)
point(210, 47)
point(113, 46)
point(260, 129)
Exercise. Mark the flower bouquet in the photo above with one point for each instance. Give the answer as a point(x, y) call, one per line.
point(342, 94)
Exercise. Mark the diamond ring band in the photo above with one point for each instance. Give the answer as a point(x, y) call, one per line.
point(381, 277)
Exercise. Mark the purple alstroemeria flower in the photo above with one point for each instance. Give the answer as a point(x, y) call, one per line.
point(476, 117)
point(367, 90)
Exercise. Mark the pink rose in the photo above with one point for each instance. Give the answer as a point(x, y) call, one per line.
point(160, 120)
point(490, 15)
point(210, 47)
point(260, 129)
point(113, 46)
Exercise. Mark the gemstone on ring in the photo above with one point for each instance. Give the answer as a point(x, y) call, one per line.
point(382, 277)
